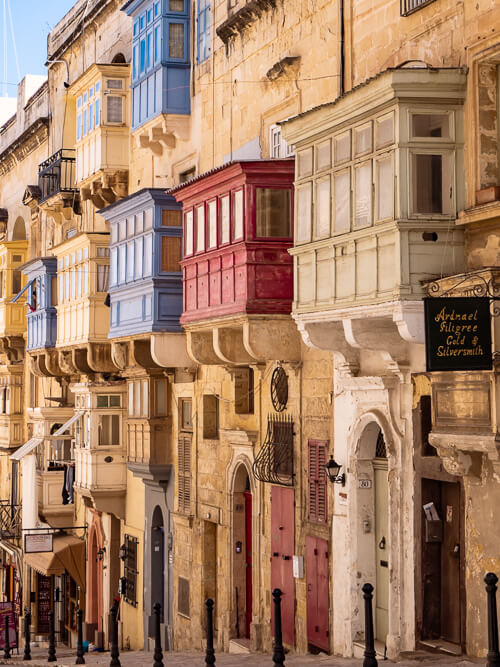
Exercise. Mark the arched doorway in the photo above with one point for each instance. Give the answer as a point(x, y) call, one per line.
point(19, 231)
point(373, 532)
point(158, 561)
point(95, 602)
point(242, 554)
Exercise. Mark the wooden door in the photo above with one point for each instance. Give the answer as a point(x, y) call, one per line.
point(381, 551)
point(317, 592)
point(282, 548)
point(248, 559)
point(450, 562)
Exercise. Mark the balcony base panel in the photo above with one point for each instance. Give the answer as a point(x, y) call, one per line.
point(110, 502)
point(156, 473)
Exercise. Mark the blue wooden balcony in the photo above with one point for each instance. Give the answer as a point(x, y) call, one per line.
point(41, 294)
point(146, 281)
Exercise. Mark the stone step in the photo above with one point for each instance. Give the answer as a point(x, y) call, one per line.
point(241, 645)
point(359, 650)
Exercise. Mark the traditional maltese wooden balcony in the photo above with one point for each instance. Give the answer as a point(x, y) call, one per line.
point(160, 73)
point(59, 197)
point(41, 274)
point(379, 180)
point(100, 453)
point(11, 406)
point(12, 298)
point(102, 133)
point(237, 272)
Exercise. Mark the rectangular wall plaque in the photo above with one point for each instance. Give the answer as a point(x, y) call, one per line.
point(458, 334)
point(35, 544)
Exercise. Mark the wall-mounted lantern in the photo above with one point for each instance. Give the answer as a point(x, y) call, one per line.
point(333, 471)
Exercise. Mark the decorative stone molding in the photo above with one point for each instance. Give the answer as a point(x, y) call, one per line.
point(282, 67)
point(104, 188)
point(243, 18)
point(163, 133)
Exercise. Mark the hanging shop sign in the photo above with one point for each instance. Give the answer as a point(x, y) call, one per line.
point(458, 334)
point(36, 544)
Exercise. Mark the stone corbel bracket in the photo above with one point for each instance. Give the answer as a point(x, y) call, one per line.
point(164, 133)
point(251, 11)
point(465, 455)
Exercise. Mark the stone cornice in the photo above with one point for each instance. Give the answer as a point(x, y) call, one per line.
point(25, 144)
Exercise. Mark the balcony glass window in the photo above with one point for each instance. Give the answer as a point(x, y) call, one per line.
point(384, 130)
point(176, 40)
point(148, 255)
point(108, 430)
point(130, 260)
point(102, 278)
point(108, 401)
point(304, 207)
point(224, 219)
point(161, 398)
point(114, 109)
point(157, 40)
point(431, 183)
point(342, 152)
point(200, 229)
point(238, 214)
point(272, 213)
point(176, 5)
point(203, 32)
point(171, 248)
point(363, 195)
point(138, 257)
point(323, 155)
point(323, 208)
point(189, 233)
point(212, 224)
point(384, 187)
point(342, 201)
point(363, 139)
point(305, 162)
point(430, 126)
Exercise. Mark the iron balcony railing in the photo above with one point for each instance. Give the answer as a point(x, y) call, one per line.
point(410, 6)
point(57, 174)
point(10, 520)
point(274, 462)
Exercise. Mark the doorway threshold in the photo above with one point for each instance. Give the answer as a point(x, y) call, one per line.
point(441, 646)
point(358, 649)
point(241, 645)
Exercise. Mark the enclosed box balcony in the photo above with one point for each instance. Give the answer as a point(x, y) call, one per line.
point(57, 184)
point(146, 247)
point(102, 133)
point(12, 288)
point(100, 453)
point(11, 406)
point(82, 285)
point(42, 301)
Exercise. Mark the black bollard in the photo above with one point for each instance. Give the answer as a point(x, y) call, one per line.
point(115, 654)
point(278, 651)
point(80, 660)
point(370, 655)
point(6, 650)
point(493, 656)
point(27, 634)
point(158, 655)
point(210, 653)
point(52, 638)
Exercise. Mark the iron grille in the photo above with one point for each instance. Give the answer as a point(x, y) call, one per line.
point(380, 448)
point(279, 389)
point(274, 462)
point(10, 520)
point(410, 6)
point(57, 174)
point(131, 572)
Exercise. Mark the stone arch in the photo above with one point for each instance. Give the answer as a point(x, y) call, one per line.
point(118, 58)
point(19, 230)
point(95, 584)
point(366, 432)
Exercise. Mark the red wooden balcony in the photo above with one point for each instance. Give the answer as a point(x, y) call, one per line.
point(238, 222)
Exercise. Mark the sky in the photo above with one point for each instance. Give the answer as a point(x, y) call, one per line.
point(32, 21)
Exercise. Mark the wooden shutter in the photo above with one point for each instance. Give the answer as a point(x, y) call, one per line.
point(184, 473)
point(171, 248)
point(243, 391)
point(318, 497)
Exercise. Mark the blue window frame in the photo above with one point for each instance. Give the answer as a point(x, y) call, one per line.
point(97, 111)
point(142, 59)
point(203, 31)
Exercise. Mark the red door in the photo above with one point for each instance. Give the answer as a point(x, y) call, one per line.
point(248, 559)
point(317, 592)
point(282, 548)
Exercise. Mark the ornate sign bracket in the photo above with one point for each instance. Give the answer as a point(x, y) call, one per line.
point(468, 285)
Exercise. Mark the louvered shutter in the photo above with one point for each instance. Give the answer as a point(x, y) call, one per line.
point(313, 489)
point(184, 473)
point(322, 489)
point(318, 497)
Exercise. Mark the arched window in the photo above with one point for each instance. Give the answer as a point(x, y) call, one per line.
point(118, 58)
point(19, 231)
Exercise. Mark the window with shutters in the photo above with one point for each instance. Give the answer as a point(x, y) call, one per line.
point(131, 572)
point(317, 481)
point(186, 414)
point(114, 108)
point(210, 417)
point(243, 391)
point(171, 251)
point(184, 473)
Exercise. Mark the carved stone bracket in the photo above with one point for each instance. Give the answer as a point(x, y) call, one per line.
point(12, 347)
point(241, 19)
point(105, 188)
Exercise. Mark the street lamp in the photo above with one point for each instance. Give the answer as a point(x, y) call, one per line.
point(332, 470)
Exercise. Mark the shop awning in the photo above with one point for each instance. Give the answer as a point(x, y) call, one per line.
point(67, 424)
point(68, 555)
point(27, 448)
point(17, 554)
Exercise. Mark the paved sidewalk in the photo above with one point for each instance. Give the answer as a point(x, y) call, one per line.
point(65, 658)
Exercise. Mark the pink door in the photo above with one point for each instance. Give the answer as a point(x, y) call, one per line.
point(317, 592)
point(282, 548)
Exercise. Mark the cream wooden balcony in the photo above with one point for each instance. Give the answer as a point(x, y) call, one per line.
point(102, 133)
point(12, 315)
point(11, 406)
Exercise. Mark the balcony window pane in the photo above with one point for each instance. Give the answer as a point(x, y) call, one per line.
point(323, 208)
point(122, 230)
point(157, 33)
point(323, 159)
point(161, 394)
point(171, 218)
point(212, 224)
point(304, 204)
point(138, 258)
point(86, 279)
point(171, 253)
point(130, 260)
point(16, 281)
point(135, 62)
point(97, 111)
point(385, 188)
point(131, 399)
point(109, 430)
point(363, 199)
point(273, 213)
point(363, 139)
point(148, 254)
point(139, 222)
point(61, 290)
point(148, 219)
point(305, 162)
point(342, 148)
point(102, 401)
point(200, 228)
point(428, 183)
point(114, 234)
point(114, 266)
point(73, 283)
point(150, 50)
point(91, 118)
point(115, 401)
point(224, 219)
point(66, 286)
point(78, 127)
point(145, 398)
point(142, 56)
point(176, 5)
point(79, 282)
point(121, 264)
point(238, 214)
point(431, 125)
point(189, 233)
point(176, 40)
point(114, 109)
point(85, 114)
point(130, 226)
point(102, 278)
point(385, 130)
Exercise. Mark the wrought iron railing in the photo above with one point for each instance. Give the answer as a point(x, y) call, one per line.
point(10, 520)
point(274, 462)
point(57, 174)
point(410, 6)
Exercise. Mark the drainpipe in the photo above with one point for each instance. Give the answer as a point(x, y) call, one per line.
point(342, 50)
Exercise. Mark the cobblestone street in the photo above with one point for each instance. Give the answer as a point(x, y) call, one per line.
point(141, 659)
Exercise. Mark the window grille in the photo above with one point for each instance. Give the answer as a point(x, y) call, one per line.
point(274, 462)
point(317, 481)
point(410, 6)
point(131, 572)
point(380, 448)
point(115, 109)
point(176, 40)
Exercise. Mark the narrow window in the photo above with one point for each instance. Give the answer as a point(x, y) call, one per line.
point(114, 109)
point(171, 247)
point(185, 414)
point(102, 278)
point(161, 398)
point(210, 417)
point(385, 188)
point(109, 430)
point(243, 391)
point(142, 56)
point(203, 32)
point(176, 40)
point(323, 208)
point(200, 228)
point(224, 219)
point(212, 224)
point(238, 214)
point(342, 201)
point(428, 183)
point(317, 481)
point(189, 233)
point(273, 213)
point(363, 202)
point(304, 204)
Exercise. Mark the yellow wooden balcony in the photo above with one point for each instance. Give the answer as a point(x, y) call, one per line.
point(12, 315)
point(82, 284)
point(11, 406)
point(102, 132)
